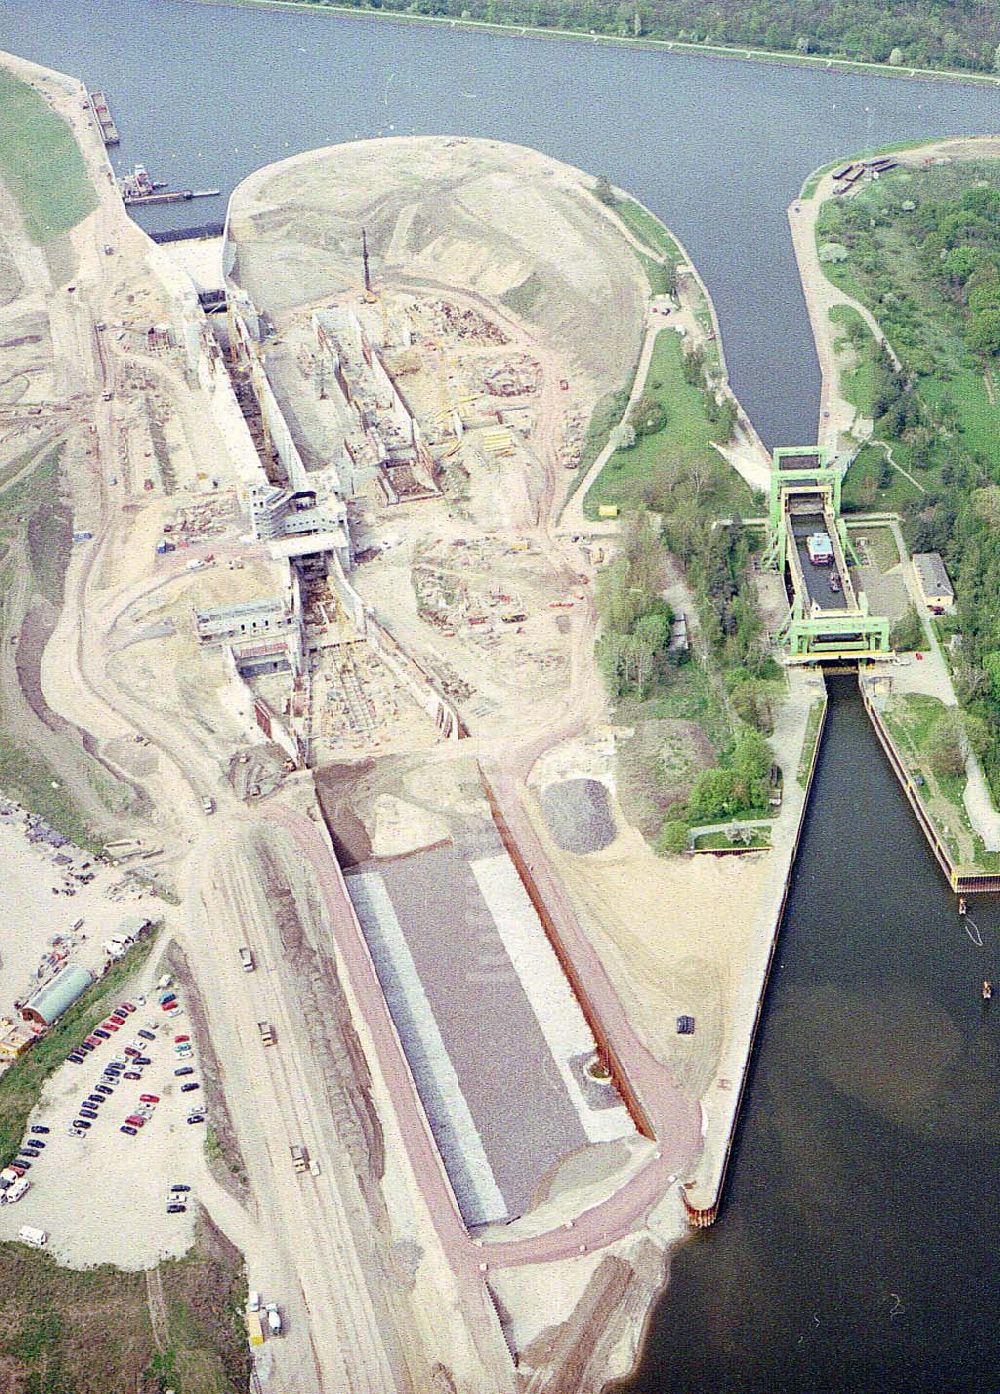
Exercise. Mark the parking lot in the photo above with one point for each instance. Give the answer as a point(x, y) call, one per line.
point(101, 1193)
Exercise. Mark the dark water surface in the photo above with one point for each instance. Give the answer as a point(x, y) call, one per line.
point(202, 94)
point(857, 1246)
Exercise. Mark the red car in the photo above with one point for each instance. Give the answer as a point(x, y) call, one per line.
point(168, 1006)
point(149, 1098)
point(126, 1007)
point(134, 1121)
point(118, 1018)
point(92, 1041)
point(110, 1025)
point(179, 1040)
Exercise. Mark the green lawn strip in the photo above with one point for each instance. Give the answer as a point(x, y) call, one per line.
point(41, 163)
point(810, 740)
point(682, 443)
point(645, 226)
point(858, 383)
point(911, 718)
point(21, 1084)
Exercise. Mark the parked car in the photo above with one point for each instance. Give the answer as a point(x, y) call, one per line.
point(135, 1121)
point(176, 1209)
point(126, 1007)
point(147, 1035)
point(81, 1123)
point(180, 1187)
point(92, 1040)
point(36, 1141)
point(76, 1056)
point(180, 1040)
point(118, 1018)
point(133, 1074)
point(143, 1060)
point(196, 1118)
point(90, 1113)
point(101, 1034)
point(184, 1070)
point(40, 1128)
point(149, 1098)
point(88, 1046)
point(176, 1011)
point(127, 1128)
point(103, 1089)
point(95, 1098)
point(74, 1131)
point(186, 1088)
point(132, 1051)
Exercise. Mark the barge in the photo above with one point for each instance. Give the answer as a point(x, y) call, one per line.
point(102, 113)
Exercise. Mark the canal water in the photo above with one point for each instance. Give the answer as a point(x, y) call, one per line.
point(203, 94)
point(856, 1251)
point(857, 1245)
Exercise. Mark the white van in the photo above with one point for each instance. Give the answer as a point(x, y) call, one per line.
point(37, 1238)
point(16, 1191)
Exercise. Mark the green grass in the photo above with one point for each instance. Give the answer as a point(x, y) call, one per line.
point(861, 491)
point(21, 1085)
point(648, 229)
point(683, 443)
point(658, 276)
point(523, 298)
point(28, 778)
point(810, 740)
point(859, 383)
point(41, 163)
point(67, 1331)
point(692, 695)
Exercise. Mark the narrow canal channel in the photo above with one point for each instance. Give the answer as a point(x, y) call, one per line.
point(856, 1248)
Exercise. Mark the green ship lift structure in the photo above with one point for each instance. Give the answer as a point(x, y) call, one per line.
point(828, 620)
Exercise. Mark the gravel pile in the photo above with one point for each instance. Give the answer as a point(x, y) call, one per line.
point(578, 815)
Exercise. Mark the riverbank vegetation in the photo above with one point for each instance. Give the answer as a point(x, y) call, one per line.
point(179, 1327)
point(40, 162)
point(924, 255)
point(948, 34)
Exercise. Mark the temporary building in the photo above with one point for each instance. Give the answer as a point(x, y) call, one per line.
point(49, 1002)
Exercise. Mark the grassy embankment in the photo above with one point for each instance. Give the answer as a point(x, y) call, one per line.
point(63, 1331)
point(41, 163)
point(913, 720)
point(681, 445)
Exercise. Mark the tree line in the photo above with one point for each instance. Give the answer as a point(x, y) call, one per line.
point(902, 33)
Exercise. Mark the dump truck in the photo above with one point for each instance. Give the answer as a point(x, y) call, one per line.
point(300, 1158)
point(267, 1036)
point(246, 959)
point(255, 1332)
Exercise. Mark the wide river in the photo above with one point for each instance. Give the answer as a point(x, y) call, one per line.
point(856, 1250)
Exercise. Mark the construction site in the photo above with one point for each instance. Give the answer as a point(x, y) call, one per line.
point(319, 661)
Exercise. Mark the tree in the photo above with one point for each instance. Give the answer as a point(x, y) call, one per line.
point(753, 703)
point(604, 192)
point(896, 58)
point(648, 416)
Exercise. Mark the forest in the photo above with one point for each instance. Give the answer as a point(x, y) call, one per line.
point(956, 34)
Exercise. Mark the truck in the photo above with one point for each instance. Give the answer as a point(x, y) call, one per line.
point(255, 1332)
point(267, 1036)
point(246, 959)
point(37, 1238)
point(273, 1318)
point(300, 1159)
